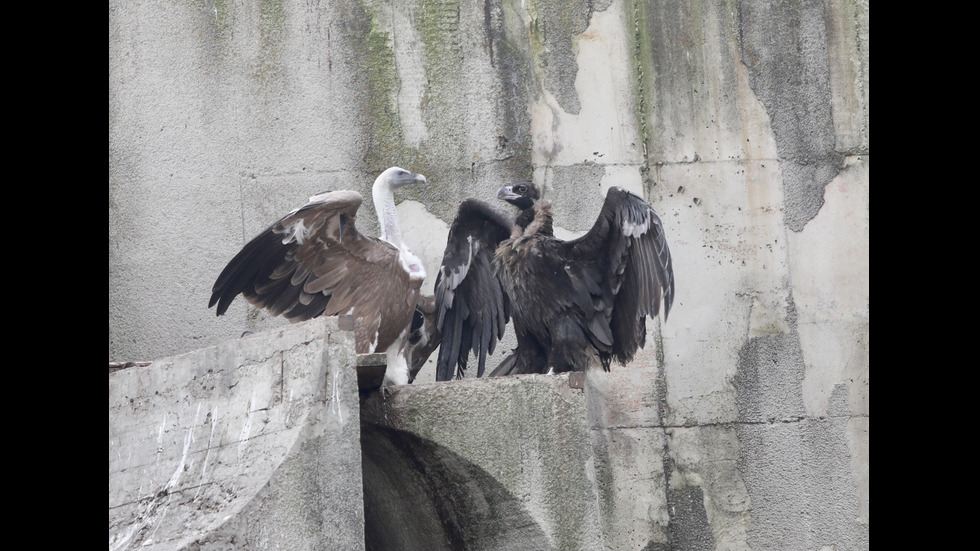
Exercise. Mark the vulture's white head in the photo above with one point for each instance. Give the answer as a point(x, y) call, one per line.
point(396, 177)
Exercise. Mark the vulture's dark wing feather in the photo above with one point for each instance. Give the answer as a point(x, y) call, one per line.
point(625, 265)
point(471, 305)
point(312, 262)
point(424, 336)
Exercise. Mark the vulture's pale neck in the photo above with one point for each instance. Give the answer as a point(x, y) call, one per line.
point(384, 205)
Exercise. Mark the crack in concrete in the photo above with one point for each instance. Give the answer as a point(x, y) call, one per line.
point(730, 424)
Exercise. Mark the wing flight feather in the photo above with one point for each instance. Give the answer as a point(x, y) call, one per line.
point(635, 276)
point(472, 307)
point(314, 261)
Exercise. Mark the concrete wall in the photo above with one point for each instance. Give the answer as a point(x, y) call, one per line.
point(745, 422)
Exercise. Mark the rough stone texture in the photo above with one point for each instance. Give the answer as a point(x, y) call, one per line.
point(784, 46)
point(253, 444)
point(745, 124)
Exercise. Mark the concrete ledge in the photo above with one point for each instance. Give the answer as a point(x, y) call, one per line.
point(266, 442)
point(253, 443)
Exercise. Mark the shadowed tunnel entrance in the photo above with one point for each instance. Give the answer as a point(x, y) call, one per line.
point(419, 495)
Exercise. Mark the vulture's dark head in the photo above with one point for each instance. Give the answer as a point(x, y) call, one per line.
point(522, 195)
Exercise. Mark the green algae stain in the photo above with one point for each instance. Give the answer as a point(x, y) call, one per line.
point(387, 140)
point(438, 28)
point(643, 58)
point(222, 19)
point(272, 25)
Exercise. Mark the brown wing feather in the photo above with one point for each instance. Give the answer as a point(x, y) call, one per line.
point(314, 262)
point(373, 280)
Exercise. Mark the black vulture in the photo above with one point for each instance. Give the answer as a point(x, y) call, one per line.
point(572, 302)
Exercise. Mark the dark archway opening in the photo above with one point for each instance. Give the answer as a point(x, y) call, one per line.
point(420, 495)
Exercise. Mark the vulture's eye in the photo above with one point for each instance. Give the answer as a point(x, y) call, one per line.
point(521, 189)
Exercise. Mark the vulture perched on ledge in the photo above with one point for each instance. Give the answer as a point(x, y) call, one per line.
point(572, 302)
point(315, 262)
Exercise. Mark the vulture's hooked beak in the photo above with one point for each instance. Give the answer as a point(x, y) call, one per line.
point(506, 193)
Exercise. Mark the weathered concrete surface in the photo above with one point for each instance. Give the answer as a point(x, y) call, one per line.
point(252, 444)
point(745, 124)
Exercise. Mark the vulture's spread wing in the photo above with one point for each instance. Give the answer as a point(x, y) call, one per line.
point(314, 262)
point(623, 264)
point(471, 305)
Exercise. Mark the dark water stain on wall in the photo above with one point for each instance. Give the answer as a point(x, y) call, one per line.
point(785, 49)
point(795, 466)
point(689, 528)
point(554, 26)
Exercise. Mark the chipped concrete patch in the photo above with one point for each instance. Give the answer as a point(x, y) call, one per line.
point(726, 237)
point(706, 458)
point(769, 380)
point(830, 280)
point(859, 446)
point(795, 470)
point(789, 73)
point(604, 128)
point(831, 288)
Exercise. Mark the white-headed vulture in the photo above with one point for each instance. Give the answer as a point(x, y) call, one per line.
point(572, 302)
point(314, 262)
